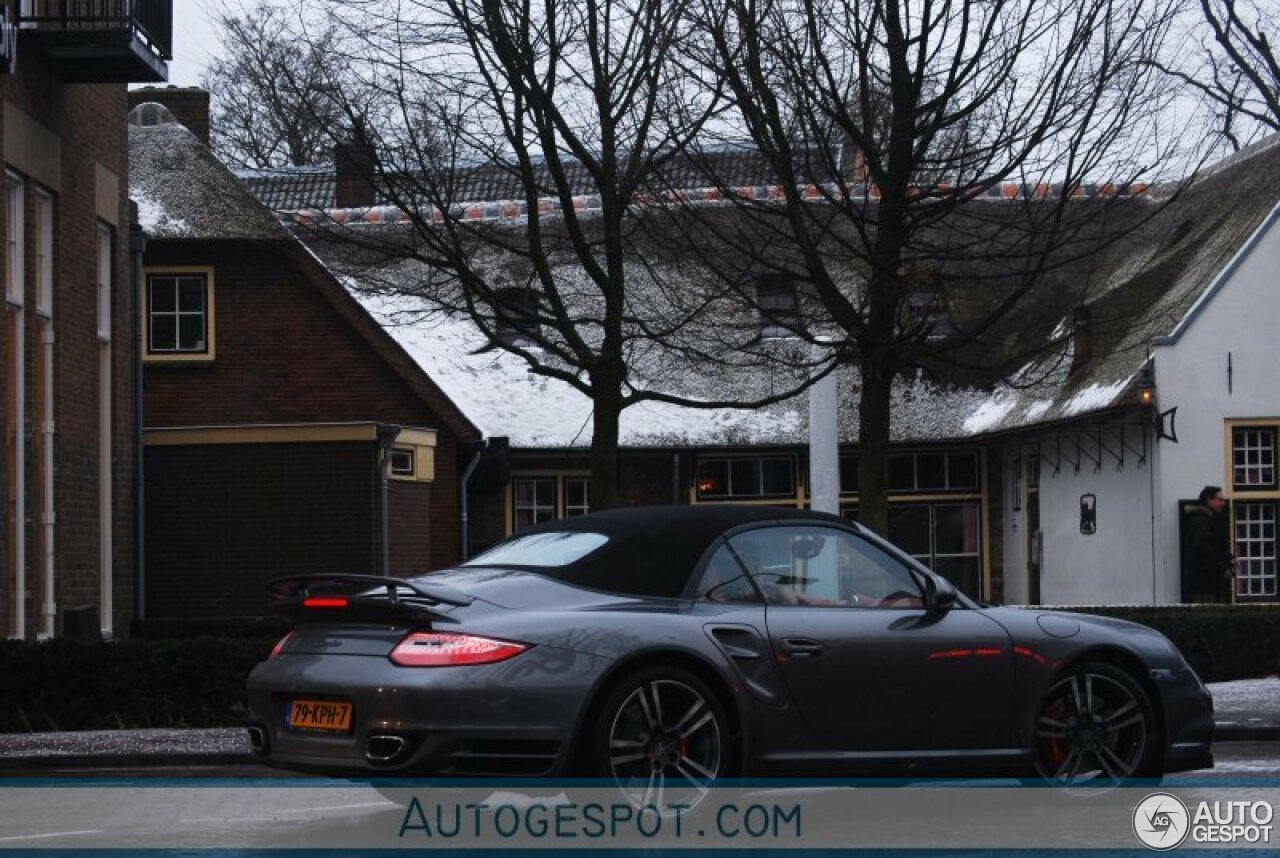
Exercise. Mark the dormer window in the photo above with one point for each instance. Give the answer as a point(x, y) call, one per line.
point(779, 308)
point(926, 306)
point(515, 314)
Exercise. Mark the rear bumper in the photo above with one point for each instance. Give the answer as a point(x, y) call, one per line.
point(512, 718)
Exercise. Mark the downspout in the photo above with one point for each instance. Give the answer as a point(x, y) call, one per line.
point(464, 524)
point(387, 435)
point(137, 247)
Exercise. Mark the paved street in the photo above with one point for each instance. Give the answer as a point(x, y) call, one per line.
point(239, 807)
point(1261, 758)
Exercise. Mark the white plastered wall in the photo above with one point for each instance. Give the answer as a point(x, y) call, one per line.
point(1114, 564)
point(1236, 324)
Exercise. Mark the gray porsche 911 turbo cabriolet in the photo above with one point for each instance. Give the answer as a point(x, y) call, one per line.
point(692, 643)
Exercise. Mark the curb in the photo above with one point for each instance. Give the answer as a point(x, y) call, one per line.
point(1231, 731)
point(124, 761)
point(1224, 731)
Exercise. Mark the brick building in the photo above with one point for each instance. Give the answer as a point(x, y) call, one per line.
point(67, 535)
point(273, 402)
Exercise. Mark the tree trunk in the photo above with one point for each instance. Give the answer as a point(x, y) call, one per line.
point(607, 403)
point(873, 446)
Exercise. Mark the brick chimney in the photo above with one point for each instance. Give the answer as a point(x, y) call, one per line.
point(189, 105)
point(353, 166)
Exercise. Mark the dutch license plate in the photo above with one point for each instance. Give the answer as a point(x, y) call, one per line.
point(329, 715)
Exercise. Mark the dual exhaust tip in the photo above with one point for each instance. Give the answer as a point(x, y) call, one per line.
point(380, 750)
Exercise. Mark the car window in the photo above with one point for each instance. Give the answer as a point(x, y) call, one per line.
point(724, 580)
point(824, 567)
point(541, 549)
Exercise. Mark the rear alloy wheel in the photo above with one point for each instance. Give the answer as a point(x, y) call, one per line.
point(663, 738)
point(1095, 727)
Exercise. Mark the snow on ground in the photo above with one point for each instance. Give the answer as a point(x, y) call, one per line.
point(1247, 698)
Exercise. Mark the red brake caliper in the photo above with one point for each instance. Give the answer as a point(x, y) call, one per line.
point(1056, 751)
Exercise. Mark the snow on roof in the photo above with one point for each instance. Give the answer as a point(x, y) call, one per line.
point(183, 191)
point(1140, 288)
point(1144, 285)
point(153, 217)
point(497, 392)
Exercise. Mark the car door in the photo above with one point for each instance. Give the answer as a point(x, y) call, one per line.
point(864, 661)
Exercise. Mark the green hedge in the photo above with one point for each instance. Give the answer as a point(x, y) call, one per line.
point(199, 682)
point(1221, 642)
point(217, 627)
point(69, 685)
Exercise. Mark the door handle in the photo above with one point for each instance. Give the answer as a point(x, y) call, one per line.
point(798, 648)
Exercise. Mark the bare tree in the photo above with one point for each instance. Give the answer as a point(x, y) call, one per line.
point(889, 124)
point(566, 110)
point(272, 101)
point(1240, 73)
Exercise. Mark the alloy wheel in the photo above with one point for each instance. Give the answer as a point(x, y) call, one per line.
point(1093, 727)
point(665, 744)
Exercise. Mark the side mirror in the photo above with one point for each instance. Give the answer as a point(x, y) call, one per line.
point(940, 596)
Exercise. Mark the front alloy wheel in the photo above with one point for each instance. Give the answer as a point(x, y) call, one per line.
point(1095, 726)
point(664, 738)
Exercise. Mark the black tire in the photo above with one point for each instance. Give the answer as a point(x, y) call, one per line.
point(662, 735)
point(1096, 726)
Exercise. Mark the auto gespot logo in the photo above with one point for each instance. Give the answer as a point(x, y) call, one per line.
point(1162, 821)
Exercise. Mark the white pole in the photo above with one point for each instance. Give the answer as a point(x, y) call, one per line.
point(824, 444)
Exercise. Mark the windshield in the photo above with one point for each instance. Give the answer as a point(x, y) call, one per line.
point(541, 550)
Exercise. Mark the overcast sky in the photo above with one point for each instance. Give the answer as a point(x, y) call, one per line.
point(193, 42)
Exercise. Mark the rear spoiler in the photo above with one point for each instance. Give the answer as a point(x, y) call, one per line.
point(362, 599)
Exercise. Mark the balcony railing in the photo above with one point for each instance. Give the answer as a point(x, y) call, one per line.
point(102, 40)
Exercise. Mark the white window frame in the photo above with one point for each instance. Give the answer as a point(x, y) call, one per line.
point(540, 511)
point(730, 494)
point(106, 257)
point(44, 253)
point(46, 541)
point(209, 352)
point(574, 510)
point(401, 455)
point(1256, 543)
point(1260, 440)
point(1255, 505)
point(15, 250)
point(16, 455)
point(559, 507)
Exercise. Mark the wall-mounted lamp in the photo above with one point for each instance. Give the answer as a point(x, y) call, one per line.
point(1163, 423)
point(1147, 386)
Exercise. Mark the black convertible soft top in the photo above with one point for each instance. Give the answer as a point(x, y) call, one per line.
point(652, 550)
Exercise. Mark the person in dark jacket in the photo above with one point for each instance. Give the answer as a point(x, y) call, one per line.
point(1212, 565)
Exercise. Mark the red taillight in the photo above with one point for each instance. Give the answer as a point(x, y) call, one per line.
point(441, 649)
point(324, 602)
point(275, 650)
